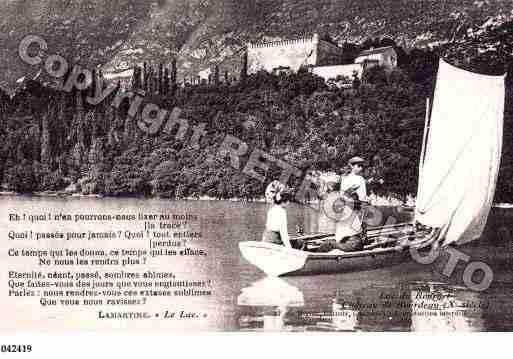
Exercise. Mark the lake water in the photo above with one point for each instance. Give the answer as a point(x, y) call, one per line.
point(398, 298)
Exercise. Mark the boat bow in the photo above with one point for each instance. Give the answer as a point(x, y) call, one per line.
point(273, 259)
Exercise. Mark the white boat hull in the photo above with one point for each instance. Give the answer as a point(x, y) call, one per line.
point(277, 260)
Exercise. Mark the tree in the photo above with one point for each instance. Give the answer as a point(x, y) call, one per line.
point(160, 77)
point(128, 176)
point(145, 80)
point(356, 81)
point(45, 137)
point(137, 82)
point(165, 179)
point(20, 178)
point(165, 89)
point(244, 69)
point(216, 75)
point(173, 77)
point(376, 76)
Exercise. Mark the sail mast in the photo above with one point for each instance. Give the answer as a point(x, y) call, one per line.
point(424, 140)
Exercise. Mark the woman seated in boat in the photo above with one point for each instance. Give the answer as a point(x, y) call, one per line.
point(276, 225)
point(349, 234)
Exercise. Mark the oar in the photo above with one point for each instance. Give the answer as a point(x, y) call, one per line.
point(380, 244)
point(392, 228)
point(387, 230)
point(312, 237)
point(386, 234)
point(389, 226)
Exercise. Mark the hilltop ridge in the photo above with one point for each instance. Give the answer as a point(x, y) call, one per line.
point(117, 35)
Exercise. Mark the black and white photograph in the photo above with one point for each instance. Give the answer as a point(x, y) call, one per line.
point(196, 166)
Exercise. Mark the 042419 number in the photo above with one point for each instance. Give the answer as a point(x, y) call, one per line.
point(21, 348)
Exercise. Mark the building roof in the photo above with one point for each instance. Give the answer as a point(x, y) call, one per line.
point(375, 51)
point(120, 74)
point(296, 39)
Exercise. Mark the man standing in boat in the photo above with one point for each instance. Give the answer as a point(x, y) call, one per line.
point(349, 234)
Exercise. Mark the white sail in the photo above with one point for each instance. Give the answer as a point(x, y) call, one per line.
point(462, 154)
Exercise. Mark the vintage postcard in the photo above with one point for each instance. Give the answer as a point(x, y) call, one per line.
point(255, 165)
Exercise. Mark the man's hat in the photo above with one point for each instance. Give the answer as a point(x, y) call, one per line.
point(356, 160)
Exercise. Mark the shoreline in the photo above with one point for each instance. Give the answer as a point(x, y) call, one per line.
point(378, 201)
point(57, 194)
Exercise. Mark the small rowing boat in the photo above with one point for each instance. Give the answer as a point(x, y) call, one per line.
point(458, 171)
point(390, 244)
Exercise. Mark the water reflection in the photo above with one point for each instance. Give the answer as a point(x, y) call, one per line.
point(267, 303)
point(439, 307)
point(344, 317)
point(414, 307)
point(276, 305)
point(372, 308)
point(497, 307)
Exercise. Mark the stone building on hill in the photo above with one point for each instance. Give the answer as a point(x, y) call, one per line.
point(291, 54)
point(321, 57)
point(382, 56)
point(123, 77)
